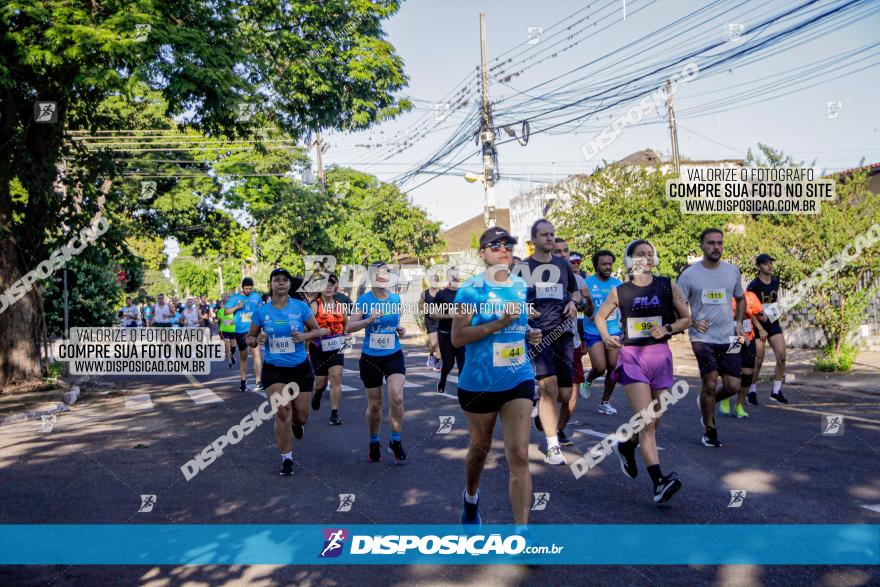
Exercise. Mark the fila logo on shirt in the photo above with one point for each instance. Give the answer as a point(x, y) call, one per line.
point(644, 302)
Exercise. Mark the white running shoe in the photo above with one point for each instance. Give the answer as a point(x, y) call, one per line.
point(585, 390)
point(554, 456)
point(607, 409)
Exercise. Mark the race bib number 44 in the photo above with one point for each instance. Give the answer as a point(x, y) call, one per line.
point(714, 296)
point(281, 345)
point(548, 291)
point(641, 327)
point(382, 341)
point(505, 354)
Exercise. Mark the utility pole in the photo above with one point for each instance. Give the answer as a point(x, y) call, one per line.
point(318, 147)
point(66, 329)
point(673, 132)
point(487, 134)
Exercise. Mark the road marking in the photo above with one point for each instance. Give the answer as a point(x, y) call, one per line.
point(873, 508)
point(139, 402)
point(589, 432)
point(203, 396)
point(349, 388)
point(344, 370)
point(805, 411)
point(435, 375)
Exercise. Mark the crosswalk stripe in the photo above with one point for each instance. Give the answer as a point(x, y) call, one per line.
point(203, 396)
point(139, 402)
point(874, 508)
point(435, 375)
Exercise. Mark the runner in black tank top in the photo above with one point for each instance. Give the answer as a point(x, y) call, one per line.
point(766, 286)
point(651, 310)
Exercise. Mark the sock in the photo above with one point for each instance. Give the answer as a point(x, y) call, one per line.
point(374, 438)
point(395, 437)
point(746, 380)
point(287, 455)
point(243, 382)
point(334, 413)
point(777, 386)
point(471, 498)
point(654, 472)
point(753, 388)
point(552, 441)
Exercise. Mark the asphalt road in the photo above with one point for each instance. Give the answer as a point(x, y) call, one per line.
point(97, 461)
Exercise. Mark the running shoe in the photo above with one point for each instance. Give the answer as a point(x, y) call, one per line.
point(258, 387)
point(438, 364)
point(564, 440)
point(554, 456)
point(585, 390)
point(741, 411)
point(233, 361)
point(430, 362)
point(375, 452)
point(710, 438)
point(441, 388)
point(724, 406)
point(297, 430)
point(668, 486)
point(396, 449)
point(316, 399)
point(778, 397)
point(607, 409)
point(334, 419)
point(626, 453)
point(230, 364)
point(242, 387)
point(752, 398)
point(538, 424)
point(286, 468)
point(470, 514)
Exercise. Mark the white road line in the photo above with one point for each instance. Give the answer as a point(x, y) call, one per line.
point(589, 432)
point(352, 371)
point(203, 396)
point(348, 388)
point(873, 508)
point(435, 375)
point(139, 402)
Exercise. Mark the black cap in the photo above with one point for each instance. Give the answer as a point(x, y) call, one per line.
point(247, 281)
point(281, 271)
point(763, 258)
point(496, 234)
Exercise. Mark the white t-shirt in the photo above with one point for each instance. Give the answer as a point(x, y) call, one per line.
point(191, 316)
point(131, 314)
point(162, 314)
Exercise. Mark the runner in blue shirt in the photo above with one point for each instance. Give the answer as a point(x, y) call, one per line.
point(283, 326)
point(602, 359)
point(491, 321)
point(378, 313)
point(243, 305)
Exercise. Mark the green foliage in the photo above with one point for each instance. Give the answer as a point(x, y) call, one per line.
point(475, 242)
point(833, 359)
point(194, 278)
point(92, 291)
point(620, 205)
point(150, 250)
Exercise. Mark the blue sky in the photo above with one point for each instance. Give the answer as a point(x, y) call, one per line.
point(439, 43)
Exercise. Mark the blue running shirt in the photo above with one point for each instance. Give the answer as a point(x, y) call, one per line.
point(599, 291)
point(380, 337)
point(280, 350)
point(245, 314)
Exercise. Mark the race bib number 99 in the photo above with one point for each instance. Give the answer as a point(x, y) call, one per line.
point(714, 296)
point(281, 345)
point(382, 341)
point(505, 354)
point(641, 327)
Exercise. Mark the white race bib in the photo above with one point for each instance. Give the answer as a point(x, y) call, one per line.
point(333, 343)
point(549, 291)
point(747, 325)
point(506, 354)
point(245, 316)
point(382, 341)
point(282, 345)
point(641, 327)
point(714, 296)
point(772, 312)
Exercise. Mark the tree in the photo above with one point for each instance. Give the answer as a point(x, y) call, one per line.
point(307, 65)
point(475, 242)
point(619, 205)
point(151, 250)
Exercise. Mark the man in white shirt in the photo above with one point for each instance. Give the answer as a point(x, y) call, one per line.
point(131, 315)
point(190, 314)
point(163, 314)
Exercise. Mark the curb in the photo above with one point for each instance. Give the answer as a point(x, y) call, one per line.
point(58, 408)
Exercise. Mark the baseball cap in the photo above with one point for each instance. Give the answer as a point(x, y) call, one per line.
point(575, 257)
point(763, 258)
point(496, 234)
point(281, 271)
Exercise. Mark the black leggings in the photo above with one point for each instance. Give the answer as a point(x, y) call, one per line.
point(449, 355)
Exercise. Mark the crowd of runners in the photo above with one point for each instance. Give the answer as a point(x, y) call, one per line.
point(518, 333)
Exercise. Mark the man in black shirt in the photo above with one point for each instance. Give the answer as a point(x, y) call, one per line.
point(766, 287)
point(449, 355)
point(553, 293)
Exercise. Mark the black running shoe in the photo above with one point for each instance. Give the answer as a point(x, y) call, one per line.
point(538, 424)
point(441, 388)
point(710, 438)
point(316, 399)
point(667, 487)
point(286, 468)
point(564, 440)
point(626, 453)
point(297, 430)
point(470, 512)
point(242, 386)
point(396, 450)
point(334, 419)
point(778, 397)
point(375, 452)
point(752, 398)
point(233, 358)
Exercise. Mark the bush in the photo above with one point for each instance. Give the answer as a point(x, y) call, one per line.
point(843, 361)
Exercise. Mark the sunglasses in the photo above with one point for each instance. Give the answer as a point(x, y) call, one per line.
point(496, 247)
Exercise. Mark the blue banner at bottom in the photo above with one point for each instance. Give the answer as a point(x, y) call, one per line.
point(673, 544)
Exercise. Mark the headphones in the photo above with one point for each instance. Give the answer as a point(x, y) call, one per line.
point(628, 260)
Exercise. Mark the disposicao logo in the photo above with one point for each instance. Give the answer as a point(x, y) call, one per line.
point(334, 542)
